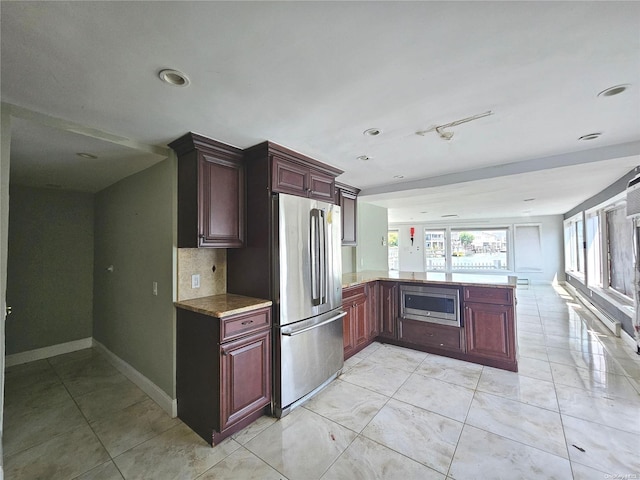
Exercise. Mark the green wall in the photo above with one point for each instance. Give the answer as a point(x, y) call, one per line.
point(134, 232)
point(371, 251)
point(50, 267)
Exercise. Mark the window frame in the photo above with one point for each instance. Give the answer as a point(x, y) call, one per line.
point(576, 265)
point(448, 253)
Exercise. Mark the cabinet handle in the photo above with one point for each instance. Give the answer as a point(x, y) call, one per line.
point(247, 322)
point(201, 235)
point(224, 352)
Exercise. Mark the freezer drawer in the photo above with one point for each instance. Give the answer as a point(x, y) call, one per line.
point(310, 353)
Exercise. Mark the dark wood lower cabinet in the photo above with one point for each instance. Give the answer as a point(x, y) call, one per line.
point(431, 335)
point(486, 336)
point(223, 373)
point(490, 332)
point(245, 377)
point(356, 326)
point(388, 309)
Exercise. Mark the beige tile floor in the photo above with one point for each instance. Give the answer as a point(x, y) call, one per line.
point(573, 411)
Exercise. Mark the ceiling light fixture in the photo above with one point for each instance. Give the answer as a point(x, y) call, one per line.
point(88, 156)
point(590, 136)
point(398, 176)
point(174, 77)
point(616, 90)
point(372, 132)
point(364, 158)
point(449, 135)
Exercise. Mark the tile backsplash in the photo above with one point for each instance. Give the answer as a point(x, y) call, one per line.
point(192, 261)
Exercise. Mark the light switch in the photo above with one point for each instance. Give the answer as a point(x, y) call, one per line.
point(195, 281)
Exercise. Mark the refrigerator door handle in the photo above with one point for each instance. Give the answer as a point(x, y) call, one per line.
point(323, 256)
point(316, 294)
point(292, 333)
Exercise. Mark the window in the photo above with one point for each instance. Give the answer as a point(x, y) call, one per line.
point(594, 257)
point(479, 249)
point(620, 251)
point(573, 242)
point(394, 263)
point(434, 250)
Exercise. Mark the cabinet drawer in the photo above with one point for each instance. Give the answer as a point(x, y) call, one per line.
point(500, 296)
point(349, 294)
point(430, 334)
point(241, 324)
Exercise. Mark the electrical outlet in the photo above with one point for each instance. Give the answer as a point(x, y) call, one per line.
point(155, 288)
point(195, 281)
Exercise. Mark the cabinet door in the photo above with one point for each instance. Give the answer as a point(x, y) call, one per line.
point(321, 186)
point(361, 321)
point(347, 202)
point(221, 203)
point(348, 336)
point(372, 309)
point(388, 309)
point(245, 377)
point(288, 177)
point(489, 330)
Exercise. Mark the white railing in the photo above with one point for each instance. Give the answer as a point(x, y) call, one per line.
point(394, 262)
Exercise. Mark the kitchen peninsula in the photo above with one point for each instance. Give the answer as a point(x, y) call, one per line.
point(465, 316)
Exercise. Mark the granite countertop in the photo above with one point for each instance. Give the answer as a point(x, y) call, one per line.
point(457, 279)
point(223, 305)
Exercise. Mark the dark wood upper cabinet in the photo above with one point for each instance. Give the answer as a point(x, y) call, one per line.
point(294, 173)
point(211, 193)
point(347, 198)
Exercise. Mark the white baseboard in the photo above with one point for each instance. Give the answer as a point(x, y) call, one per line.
point(608, 322)
point(629, 340)
point(47, 352)
point(158, 395)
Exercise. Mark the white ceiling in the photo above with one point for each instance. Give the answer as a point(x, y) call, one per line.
point(314, 75)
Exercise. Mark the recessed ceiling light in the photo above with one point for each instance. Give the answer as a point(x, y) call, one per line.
point(87, 155)
point(611, 91)
point(174, 77)
point(449, 215)
point(364, 158)
point(372, 132)
point(528, 199)
point(398, 176)
point(590, 136)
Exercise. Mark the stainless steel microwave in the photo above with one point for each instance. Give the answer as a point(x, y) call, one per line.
point(430, 304)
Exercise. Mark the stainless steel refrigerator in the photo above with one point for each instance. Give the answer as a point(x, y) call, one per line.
point(307, 278)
